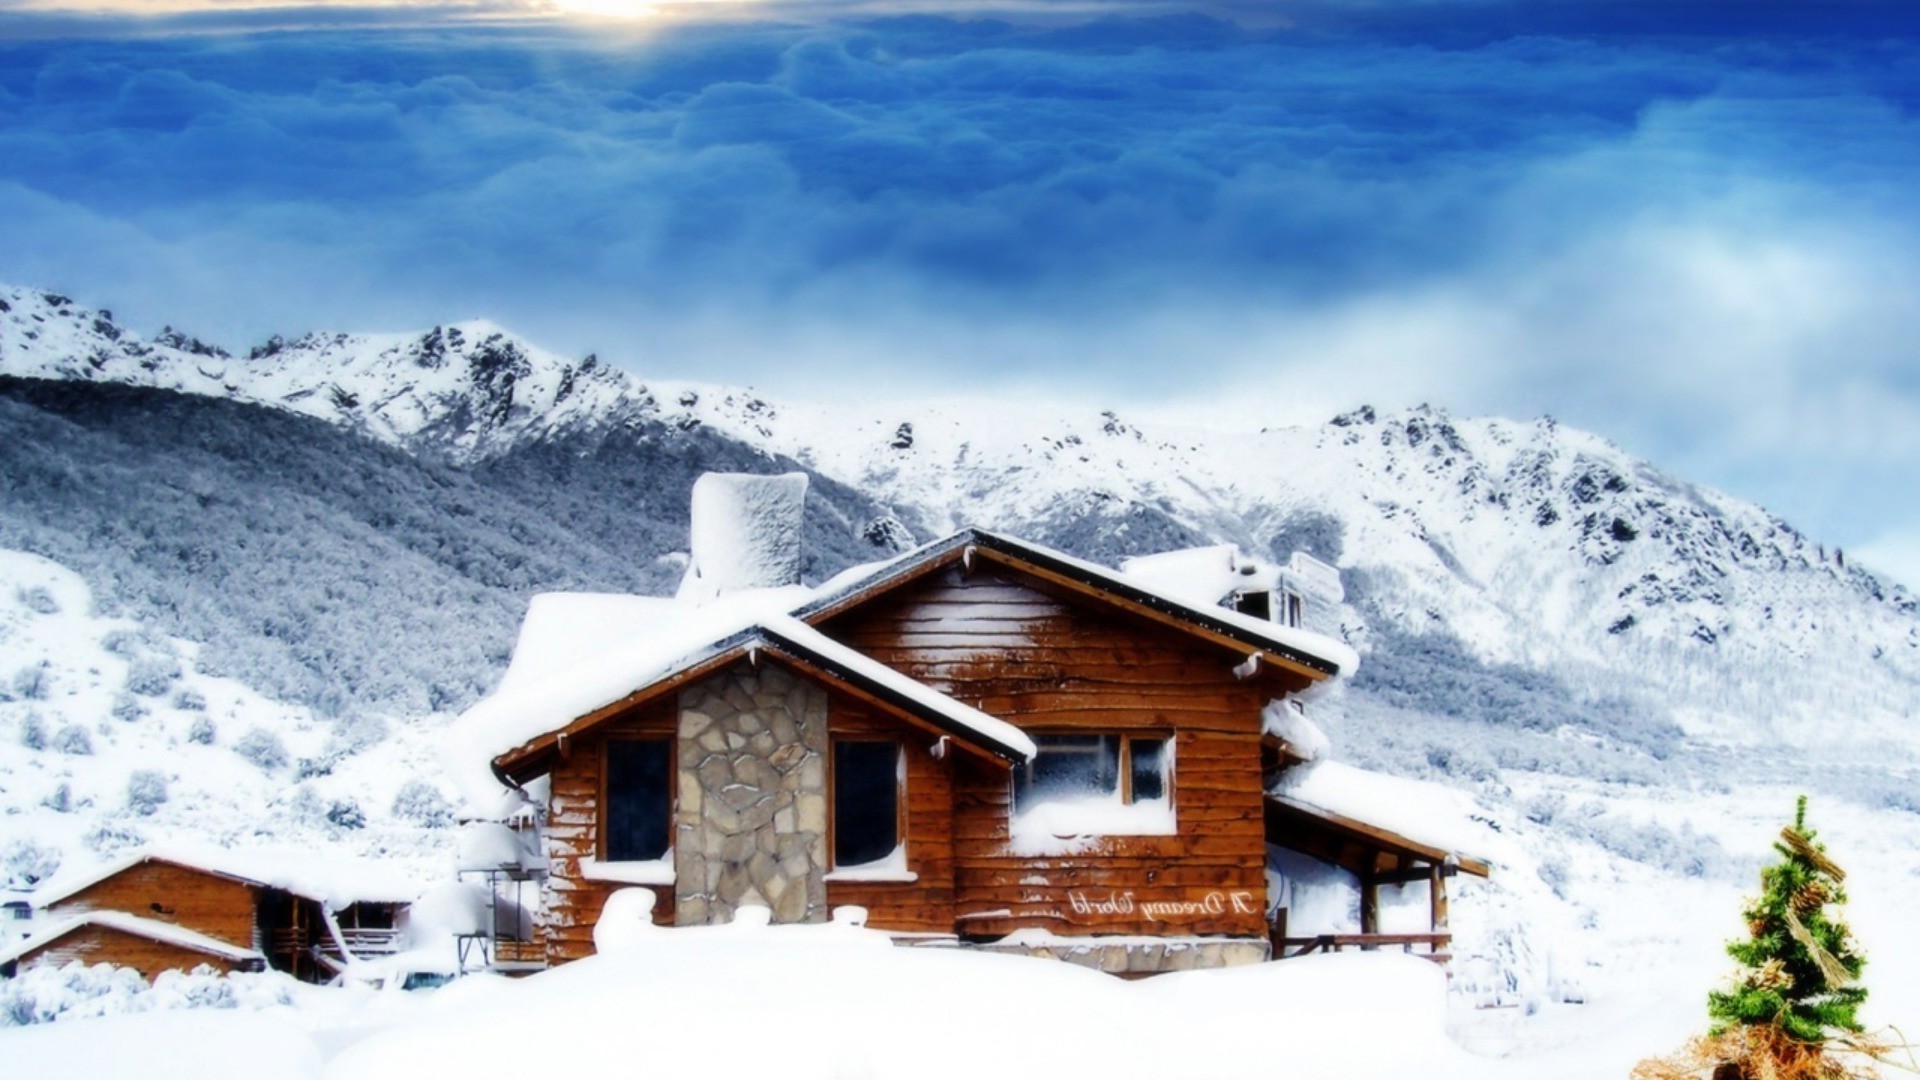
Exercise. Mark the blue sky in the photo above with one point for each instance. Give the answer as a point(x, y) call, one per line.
point(1691, 227)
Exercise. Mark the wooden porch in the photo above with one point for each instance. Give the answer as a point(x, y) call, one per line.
point(1376, 857)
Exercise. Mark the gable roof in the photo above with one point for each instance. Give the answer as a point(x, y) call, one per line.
point(151, 929)
point(324, 882)
point(1314, 655)
point(523, 718)
point(800, 646)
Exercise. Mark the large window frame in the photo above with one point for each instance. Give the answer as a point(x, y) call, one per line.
point(833, 800)
point(1022, 796)
point(670, 797)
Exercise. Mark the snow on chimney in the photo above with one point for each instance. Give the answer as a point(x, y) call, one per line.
point(745, 533)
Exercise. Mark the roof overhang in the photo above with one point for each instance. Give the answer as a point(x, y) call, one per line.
point(829, 667)
point(1228, 630)
point(134, 926)
point(1356, 845)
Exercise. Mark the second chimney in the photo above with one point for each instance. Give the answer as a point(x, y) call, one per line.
point(745, 533)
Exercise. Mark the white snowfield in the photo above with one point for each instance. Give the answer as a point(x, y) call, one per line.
point(835, 1000)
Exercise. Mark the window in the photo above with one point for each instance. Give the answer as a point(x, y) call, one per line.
point(1257, 604)
point(1122, 770)
point(866, 801)
point(1293, 608)
point(639, 803)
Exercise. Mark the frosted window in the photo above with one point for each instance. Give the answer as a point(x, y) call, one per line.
point(1069, 767)
point(1149, 769)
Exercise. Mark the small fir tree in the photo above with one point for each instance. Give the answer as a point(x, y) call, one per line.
point(1799, 967)
point(1790, 1011)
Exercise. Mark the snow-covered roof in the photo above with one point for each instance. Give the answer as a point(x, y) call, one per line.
point(331, 880)
point(579, 653)
point(982, 729)
point(1202, 575)
point(151, 929)
point(1433, 821)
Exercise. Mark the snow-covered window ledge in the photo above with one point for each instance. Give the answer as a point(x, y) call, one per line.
point(641, 872)
point(890, 870)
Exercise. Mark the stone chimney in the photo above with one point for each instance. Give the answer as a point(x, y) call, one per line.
point(745, 534)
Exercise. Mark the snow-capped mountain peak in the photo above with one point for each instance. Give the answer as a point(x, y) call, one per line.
point(467, 388)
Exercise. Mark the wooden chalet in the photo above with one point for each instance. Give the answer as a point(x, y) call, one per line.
point(983, 742)
point(154, 913)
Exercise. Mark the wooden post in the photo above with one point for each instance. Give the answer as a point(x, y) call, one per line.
point(1437, 895)
point(1369, 904)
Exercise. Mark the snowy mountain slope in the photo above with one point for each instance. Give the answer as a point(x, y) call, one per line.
point(300, 552)
point(466, 389)
point(1550, 562)
point(113, 737)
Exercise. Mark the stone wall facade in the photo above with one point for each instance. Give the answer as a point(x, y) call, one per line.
point(751, 821)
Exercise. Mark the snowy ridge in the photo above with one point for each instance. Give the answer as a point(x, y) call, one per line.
point(467, 389)
point(1492, 541)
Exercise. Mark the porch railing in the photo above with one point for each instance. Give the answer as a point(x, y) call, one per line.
point(1431, 946)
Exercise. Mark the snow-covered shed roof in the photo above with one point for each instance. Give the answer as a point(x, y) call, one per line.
point(1415, 821)
point(568, 670)
point(333, 881)
point(151, 929)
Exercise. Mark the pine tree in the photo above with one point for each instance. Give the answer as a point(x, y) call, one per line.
point(1800, 969)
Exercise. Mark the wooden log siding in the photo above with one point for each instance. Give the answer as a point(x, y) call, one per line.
point(1047, 661)
point(217, 906)
point(108, 945)
point(573, 903)
point(924, 905)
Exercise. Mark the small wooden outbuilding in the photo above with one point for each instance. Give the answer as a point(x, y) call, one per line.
point(155, 912)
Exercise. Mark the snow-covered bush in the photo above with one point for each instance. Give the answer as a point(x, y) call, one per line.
point(73, 739)
point(152, 674)
point(346, 814)
point(112, 837)
point(127, 708)
point(146, 791)
point(24, 864)
point(305, 807)
point(355, 732)
point(201, 731)
point(263, 748)
point(33, 682)
point(38, 599)
point(60, 799)
point(190, 701)
point(421, 803)
point(44, 994)
point(33, 732)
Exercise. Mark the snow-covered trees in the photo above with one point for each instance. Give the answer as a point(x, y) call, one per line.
point(146, 790)
point(263, 748)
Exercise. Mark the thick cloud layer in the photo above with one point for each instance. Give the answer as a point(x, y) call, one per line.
point(1691, 226)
